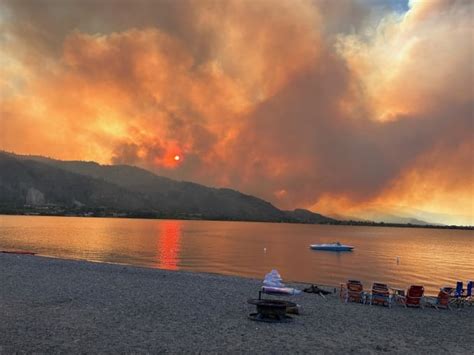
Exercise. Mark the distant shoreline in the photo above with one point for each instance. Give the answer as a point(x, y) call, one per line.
point(152, 215)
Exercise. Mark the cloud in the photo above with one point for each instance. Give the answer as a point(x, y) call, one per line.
point(306, 104)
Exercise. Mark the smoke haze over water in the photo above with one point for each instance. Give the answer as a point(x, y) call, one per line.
point(340, 107)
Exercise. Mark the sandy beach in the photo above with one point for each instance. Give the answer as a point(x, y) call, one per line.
point(50, 305)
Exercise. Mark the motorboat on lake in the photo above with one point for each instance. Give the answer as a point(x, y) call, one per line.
point(332, 247)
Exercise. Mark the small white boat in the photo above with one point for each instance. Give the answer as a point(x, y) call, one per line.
point(332, 247)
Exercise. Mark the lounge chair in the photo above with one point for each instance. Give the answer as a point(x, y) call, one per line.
point(466, 298)
point(398, 296)
point(459, 289)
point(355, 292)
point(272, 285)
point(458, 300)
point(443, 299)
point(380, 294)
point(279, 291)
point(414, 296)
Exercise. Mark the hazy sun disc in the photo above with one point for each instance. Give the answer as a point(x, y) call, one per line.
point(177, 157)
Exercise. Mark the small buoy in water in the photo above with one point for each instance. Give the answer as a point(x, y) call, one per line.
point(398, 260)
point(264, 250)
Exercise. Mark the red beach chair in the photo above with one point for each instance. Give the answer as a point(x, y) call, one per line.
point(444, 298)
point(355, 292)
point(414, 296)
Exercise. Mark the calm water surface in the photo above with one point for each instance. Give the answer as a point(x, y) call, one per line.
point(432, 257)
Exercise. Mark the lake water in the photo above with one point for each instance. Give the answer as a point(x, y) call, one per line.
point(431, 257)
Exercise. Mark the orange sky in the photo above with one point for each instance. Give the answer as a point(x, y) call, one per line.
point(345, 107)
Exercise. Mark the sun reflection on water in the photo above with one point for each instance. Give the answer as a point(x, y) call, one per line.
point(169, 236)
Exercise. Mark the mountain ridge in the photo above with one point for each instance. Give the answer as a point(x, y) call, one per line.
point(33, 184)
point(29, 181)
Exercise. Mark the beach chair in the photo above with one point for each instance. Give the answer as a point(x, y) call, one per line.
point(398, 296)
point(355, 291)
point(468, 297)
point(443, 299)
point(457, 299)
point(279, 291)
point(272, 285)
point(459, 289)
point(414, 296)
point(380, 294)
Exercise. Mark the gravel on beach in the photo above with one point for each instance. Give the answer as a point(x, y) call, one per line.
point(50, 305)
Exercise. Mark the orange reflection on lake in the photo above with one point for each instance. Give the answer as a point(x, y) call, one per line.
point(398, 256)
point(169, 244)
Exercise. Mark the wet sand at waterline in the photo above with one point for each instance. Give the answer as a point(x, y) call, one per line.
point(52, 305)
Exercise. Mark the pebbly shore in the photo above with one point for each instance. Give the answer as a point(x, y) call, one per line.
point(63, 306)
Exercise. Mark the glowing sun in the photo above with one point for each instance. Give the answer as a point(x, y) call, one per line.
point(177, 157)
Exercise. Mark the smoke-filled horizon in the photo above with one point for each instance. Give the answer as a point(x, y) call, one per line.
point(340, 107)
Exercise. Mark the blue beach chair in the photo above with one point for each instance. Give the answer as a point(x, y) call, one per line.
point(460, 298)
point(458, 291)
point(457, 295)
point(467, 298)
